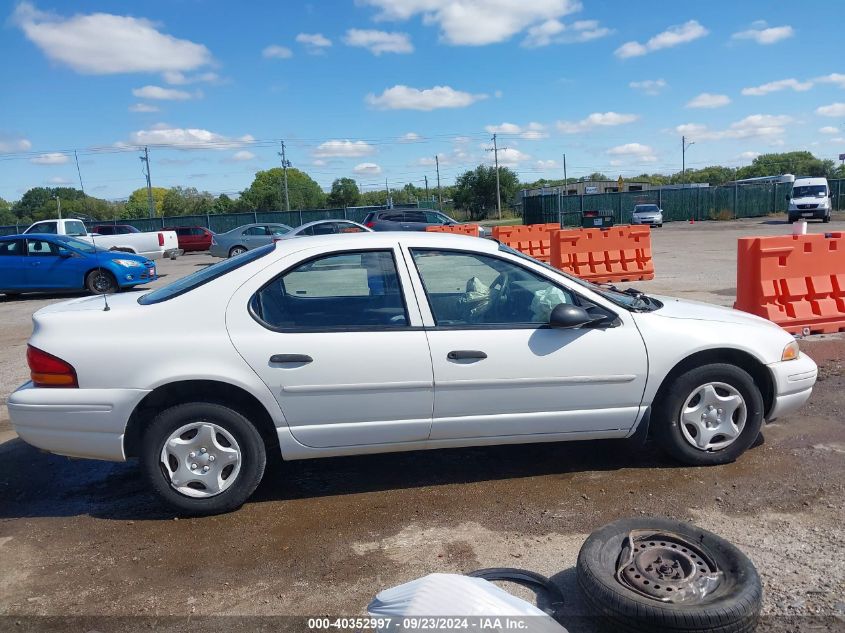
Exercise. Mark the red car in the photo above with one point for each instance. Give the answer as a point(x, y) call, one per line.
point(192, 238)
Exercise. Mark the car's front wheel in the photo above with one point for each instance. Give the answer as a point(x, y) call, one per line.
point(709, 415)
point(203, 458)
point(101, 282)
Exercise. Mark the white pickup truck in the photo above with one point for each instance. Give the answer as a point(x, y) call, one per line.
point(152, 245)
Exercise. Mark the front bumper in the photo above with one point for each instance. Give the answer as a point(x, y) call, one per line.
point(651, 220)
point(793, 382)
point(808, 214)
point(173, 253)
point(86, 423)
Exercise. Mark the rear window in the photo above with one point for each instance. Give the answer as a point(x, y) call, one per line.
point(197, 279)
point(75, 227)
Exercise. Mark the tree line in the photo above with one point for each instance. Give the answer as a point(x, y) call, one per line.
point(474, 192)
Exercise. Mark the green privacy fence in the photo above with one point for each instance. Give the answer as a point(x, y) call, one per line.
point(688, 203)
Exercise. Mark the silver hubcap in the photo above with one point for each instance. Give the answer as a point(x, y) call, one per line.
point(238, 251)
point(713, 416)
point(201, 459)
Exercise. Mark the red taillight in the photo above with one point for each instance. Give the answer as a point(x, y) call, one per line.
point(161, 239)
point(47, 370)
point(369, 225)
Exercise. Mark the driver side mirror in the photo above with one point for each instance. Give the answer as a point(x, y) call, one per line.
point(567, 316)
point(64, 253)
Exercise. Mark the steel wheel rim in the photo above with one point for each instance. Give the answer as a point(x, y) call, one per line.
point(713, 416)
point(102, 283)
point(200, 459)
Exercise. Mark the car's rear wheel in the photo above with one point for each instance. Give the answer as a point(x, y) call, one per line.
point(203, 458)
point(236, 250)
point(708, 415)
point(101, 282)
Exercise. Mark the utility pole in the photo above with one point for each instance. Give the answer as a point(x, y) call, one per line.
point(684, 147)
point(426, 189)
point(495, 151)
point(565, 183)
point(285, 165)
point(387, 188)
point(146, 160)
point(58, 206)
point(439, 193)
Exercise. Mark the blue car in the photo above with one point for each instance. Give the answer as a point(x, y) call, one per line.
point(49, 263)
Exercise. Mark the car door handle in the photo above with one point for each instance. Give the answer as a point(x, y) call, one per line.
point(290, 358)
point(466, 354)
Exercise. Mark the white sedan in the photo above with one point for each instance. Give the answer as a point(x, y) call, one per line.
point(392, 341)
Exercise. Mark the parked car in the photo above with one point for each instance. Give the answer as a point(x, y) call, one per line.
point(647, 214)
point(152, 245)
point(327, 227)
point(48, 263)
point(389, 341)
point(114, 229)
point(409, 220)
point(192, 238)
point(245, 238)
point(810, 199)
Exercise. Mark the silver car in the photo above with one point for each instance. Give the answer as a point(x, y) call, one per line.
point(245, 238)
point(647, 214)
point(327, 227)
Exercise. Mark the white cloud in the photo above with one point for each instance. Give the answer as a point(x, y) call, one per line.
point(274, 51)
point(476, 22)
point(378, 42)
point(833, 78)
point(748, 155)
point(531, 132)
point(754, 126)
point(596, 119)
point(315, 43)
point(673, 36)
point(401, 97)
point(509, 156)
point(708, 100)
point(319, 162)
point(343, 149)
point(368, 169)
point(777, 86)
point(410, 137)
point(164, 94)
point(143, 107)
point(833, 110)
point(103, 43)
point(546, 165)
point(59, 180)
point(185, 138)
point(651, 87)
point(242, 155)
point(556, 32)
point(52, 158)
point(177, 78)
point(829, 129)
point(633, 150)
point(14, 143)
point(762, 33)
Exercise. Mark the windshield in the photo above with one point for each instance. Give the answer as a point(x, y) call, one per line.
point(79, 245)
point(628, 299)
point(640, 208)
point(197, 279)
point(809, 191)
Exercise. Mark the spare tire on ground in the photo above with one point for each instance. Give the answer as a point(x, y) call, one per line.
point(651, 574)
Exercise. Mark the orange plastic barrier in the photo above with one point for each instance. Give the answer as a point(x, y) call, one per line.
point(620, 253)
point(535, 242)
point(797, 281)
point(501, 232)
point(463, 229)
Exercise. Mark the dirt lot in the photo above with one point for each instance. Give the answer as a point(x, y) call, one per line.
point(85, 538)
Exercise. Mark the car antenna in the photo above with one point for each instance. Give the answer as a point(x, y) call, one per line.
point(106, 307)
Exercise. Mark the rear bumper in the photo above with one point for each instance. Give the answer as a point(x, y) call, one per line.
point(217, 250)
point(793, 383)
point(75, 422)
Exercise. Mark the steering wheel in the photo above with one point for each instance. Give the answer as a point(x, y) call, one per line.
point(499, 290)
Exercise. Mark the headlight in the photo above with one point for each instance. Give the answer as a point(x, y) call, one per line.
point(791, 351)
point(127, 263)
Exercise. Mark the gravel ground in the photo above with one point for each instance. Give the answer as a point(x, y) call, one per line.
point(85, 538)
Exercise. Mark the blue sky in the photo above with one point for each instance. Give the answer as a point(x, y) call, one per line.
point(374, 89)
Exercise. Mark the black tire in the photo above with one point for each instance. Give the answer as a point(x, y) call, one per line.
point(667, 410)
point(732, 607)
point(253, 457)
point(791, 220)
point(101, 282)
point(237, 250)
point(826, 218)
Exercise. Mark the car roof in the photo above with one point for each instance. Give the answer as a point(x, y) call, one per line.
point(388, 239)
